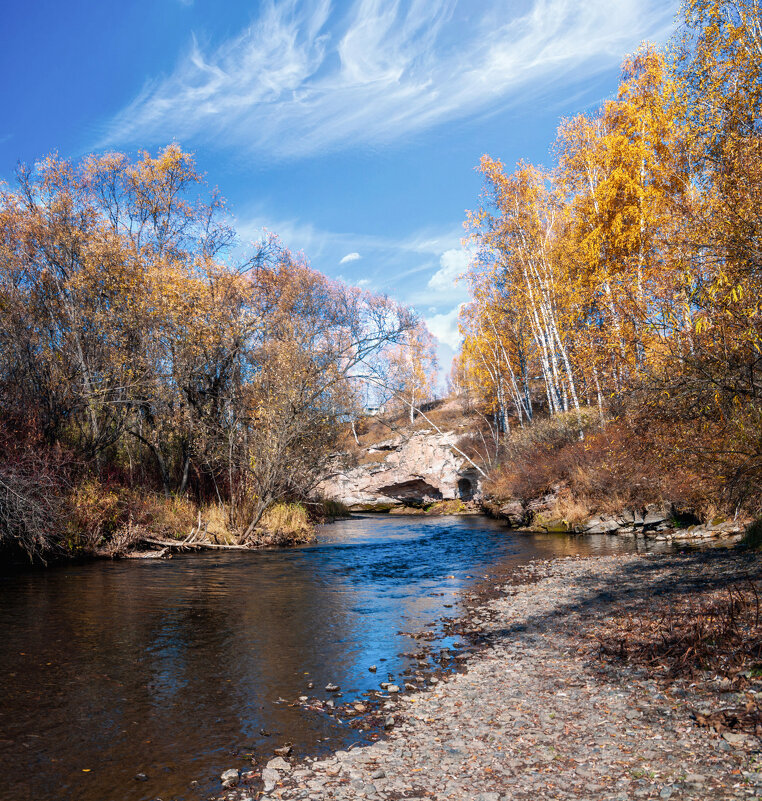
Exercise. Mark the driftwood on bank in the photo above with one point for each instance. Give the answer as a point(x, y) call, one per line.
point(182, 545)
point(192, 542)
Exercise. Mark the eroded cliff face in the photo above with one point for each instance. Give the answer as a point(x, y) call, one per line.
point(407, 470)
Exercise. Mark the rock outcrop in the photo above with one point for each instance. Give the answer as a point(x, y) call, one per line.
point(412, 470)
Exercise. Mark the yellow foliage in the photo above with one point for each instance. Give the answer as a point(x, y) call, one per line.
point(285, 524)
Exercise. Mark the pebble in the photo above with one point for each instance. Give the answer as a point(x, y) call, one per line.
point(735, 737)
point(229, 778)
point(537, 715)
point(270, 778)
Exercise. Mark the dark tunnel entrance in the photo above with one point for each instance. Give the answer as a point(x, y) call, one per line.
point(465, 489)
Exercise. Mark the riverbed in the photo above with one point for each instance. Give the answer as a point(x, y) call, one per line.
point(137, 680)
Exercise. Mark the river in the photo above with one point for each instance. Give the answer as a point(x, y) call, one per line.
point(179, 669)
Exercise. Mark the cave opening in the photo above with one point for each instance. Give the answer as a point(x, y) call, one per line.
point(415, 492)
point(465, 489)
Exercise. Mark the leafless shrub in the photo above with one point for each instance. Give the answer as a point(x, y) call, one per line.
point(29, 511)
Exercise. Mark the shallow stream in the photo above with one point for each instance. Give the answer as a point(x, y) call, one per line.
point(179, 669)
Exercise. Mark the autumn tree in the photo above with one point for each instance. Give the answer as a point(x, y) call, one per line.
point(131, 340)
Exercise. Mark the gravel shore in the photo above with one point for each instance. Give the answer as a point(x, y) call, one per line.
point(538, 715)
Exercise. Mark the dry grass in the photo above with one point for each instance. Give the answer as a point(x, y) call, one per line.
point(369, 458)
point(113, 519)
point(573, 511)
point(449, 415)
point(285, 524)
point(451, 507)
point(215, 519)
point(332, 510)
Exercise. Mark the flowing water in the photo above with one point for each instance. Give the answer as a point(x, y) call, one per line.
point(180, 669)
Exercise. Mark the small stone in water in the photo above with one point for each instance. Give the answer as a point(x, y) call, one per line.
point(284, 751)
point(310, 685)
point(372, 668)
point(303, 698)
point(229, 778)
point(392, 688)
point(332, 688)
point(141, 777)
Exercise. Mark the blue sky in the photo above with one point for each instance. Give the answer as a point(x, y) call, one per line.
point(351, 129)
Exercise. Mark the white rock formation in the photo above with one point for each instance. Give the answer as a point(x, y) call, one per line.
point(416, 469)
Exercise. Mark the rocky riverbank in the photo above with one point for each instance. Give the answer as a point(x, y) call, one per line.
point(544, 712)
point(663, 522)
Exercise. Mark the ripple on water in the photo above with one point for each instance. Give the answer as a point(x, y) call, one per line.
point(174, 668)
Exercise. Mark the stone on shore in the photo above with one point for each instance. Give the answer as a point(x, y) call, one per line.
point(538, 715)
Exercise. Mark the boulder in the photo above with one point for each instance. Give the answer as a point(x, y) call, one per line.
point(513, 512)
point(657, 513)
point(270, 777)
point(557, 526)
point(600, 526)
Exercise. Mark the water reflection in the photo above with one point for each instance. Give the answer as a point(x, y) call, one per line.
point(173, 668)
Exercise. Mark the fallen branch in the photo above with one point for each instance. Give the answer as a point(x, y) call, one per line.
point(185, 544)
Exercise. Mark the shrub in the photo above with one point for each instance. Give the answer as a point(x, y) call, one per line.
point(332, 510)
point(95, 513)
point(285, 524)
point(114, 519)
point(752, 537)
point(622, 466)
point(30, 510)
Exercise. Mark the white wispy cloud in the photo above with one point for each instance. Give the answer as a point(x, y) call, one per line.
point(304, 78)
point(350, 257)
point(318, 243)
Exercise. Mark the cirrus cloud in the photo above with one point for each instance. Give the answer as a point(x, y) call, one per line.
point(305, 77)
